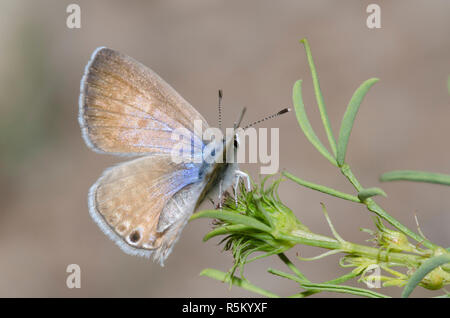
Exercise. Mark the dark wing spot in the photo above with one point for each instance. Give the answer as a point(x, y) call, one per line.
point(135, 236)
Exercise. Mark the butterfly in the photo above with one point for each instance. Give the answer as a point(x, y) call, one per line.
point(126, 109)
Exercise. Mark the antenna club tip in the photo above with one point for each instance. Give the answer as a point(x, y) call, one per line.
point(220, 93)
point(283, 111)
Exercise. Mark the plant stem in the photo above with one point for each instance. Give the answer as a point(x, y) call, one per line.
point(355, 249)
point(375, 208)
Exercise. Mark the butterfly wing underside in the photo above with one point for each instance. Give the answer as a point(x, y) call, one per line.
point(127, 109)
point(128, 200)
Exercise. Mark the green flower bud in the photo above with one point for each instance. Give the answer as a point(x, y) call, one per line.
point(434, 279)
point(393, 240)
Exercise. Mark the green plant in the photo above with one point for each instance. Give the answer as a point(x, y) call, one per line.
point(260, 222)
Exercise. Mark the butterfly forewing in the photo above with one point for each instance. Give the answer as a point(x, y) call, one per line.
point(126, 108)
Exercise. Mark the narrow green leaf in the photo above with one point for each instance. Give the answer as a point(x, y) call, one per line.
point(321, 188)
point(419, 176)
point(370, 192)
point(292, 267)
point(422, 271)
point(319, 97)
point(286, 275)
point(225, 277)
point(344, 289)
point(223, 230)
point(448, 84)
point(314, 288)
point(349, 118)
point(233, 218)
point(305, 124)
point(335, 281)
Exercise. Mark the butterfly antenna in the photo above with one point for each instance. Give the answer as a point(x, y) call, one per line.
point(281, 112)
point(238, 123)
point(220, 109)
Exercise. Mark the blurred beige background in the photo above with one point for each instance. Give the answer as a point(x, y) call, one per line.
point(249, 49)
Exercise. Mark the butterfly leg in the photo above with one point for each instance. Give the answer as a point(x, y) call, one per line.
point(238, 175)
point(245, 176)
point(235, 188)
point(220, 194)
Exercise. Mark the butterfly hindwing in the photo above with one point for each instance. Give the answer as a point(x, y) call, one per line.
point(128, 199)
